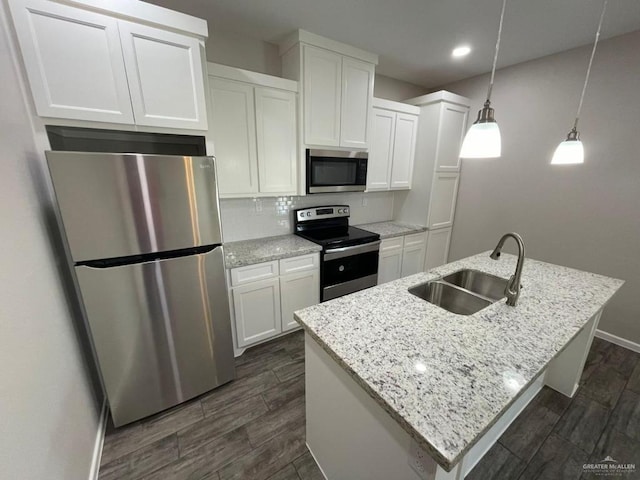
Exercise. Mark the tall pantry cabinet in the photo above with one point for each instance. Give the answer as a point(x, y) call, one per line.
point(436, 175)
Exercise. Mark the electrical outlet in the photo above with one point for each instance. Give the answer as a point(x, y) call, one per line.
point(258, 204)
point(365, 200)
point(421, 462)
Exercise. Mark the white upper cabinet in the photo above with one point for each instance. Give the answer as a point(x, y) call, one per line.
point(404, 150)
point(357, 94)
point(165, 77)
point(336, 88)
point(277, 140)
point(233, 132)
point(381, 151)
point(452, 126)
point(74, 62)
point(322, 96)
point(91, 66)
point(392, 146)
point(254, 123)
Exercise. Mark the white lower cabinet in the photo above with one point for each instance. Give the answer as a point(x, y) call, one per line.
point(257, 311)
point(390, 259)
point(401, 256)
point(437, 248)
point(264, 296)
point(298, 290)
point(415, 247)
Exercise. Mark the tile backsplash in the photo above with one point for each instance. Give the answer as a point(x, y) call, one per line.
point(246, 218)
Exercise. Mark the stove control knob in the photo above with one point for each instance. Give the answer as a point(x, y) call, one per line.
point(308, 214)
point(341, 268)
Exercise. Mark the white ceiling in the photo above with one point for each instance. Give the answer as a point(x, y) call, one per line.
point(414, 38)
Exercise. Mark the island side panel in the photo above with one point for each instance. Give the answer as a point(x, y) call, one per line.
point(348, 433)
point(565, 370)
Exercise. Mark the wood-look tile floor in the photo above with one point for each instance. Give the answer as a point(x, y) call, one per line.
point(555, 436)
point(253, 428)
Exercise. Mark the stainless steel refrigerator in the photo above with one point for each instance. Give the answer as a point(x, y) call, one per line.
point(144, 238)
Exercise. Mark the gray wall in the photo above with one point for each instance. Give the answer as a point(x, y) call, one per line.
point(48, 413)
point(252, 54)
point(585, 216)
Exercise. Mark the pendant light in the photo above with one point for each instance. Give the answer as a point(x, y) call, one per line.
point(571, 150)
point(483, 138)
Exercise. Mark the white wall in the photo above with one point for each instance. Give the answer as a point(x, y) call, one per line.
point(242, 221)
point(585, 216)
point(48, 413)
point(394, 89)
point(256, 55)
point(240, 51)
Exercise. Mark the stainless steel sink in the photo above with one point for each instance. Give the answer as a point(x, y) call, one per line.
point(478, 282)
point(449, 297)
point(464, 292)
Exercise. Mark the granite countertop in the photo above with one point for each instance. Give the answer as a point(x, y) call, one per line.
point(392, 229)
point(446, 378)
point(258, 250)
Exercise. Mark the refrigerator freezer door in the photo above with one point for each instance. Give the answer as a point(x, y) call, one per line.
point(117, 205)
point(161, 331)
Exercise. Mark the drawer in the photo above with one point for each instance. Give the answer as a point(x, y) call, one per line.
point(415, 239)
point(391, 244)
point(253, 273)
point(299, 264)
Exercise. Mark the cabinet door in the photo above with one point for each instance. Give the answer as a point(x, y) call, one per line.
point(404, 150)
point(413, 254)
point(437, 248)
point(166, 79)
point(74, 62)
point(357, 95)
point(442, 205)
point(257, 311)
point(277, 140)
point(322, 83)
point(234, 138)
point(298, 290)
point(453, 123)
point(381, 151)
point(390, 260)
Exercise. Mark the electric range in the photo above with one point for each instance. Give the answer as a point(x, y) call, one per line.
point(349, 257)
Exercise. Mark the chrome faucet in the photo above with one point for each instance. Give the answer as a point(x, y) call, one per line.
point(512, 290)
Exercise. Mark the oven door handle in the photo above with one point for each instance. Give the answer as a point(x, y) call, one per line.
point(335, 253)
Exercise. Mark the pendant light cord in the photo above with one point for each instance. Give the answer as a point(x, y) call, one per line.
point(495, 56)
point(593, 52)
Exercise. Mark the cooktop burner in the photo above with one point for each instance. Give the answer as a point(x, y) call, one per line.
point(339, 236)
point(329, 227)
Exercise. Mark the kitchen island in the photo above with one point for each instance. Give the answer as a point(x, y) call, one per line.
point(399, 388)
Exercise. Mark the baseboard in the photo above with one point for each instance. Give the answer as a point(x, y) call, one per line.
point(97, 449)
point(622, 342)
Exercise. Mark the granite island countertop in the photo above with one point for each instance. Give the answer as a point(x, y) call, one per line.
point(446, 378)
point(392, 229)
point(258, 250)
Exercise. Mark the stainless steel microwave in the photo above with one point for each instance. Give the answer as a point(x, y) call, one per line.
point(336, 171)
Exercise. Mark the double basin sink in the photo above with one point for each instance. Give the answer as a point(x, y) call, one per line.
point(464, 292)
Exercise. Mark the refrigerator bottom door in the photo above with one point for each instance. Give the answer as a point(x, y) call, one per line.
point(161, 331)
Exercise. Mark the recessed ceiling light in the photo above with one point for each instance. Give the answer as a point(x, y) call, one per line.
point(461, 51)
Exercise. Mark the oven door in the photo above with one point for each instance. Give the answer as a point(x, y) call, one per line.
point(349, 269)
point(336, 171)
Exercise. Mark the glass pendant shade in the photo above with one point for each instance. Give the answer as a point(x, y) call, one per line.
point(483, 138)
point(482, 141)
point(568, 152)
